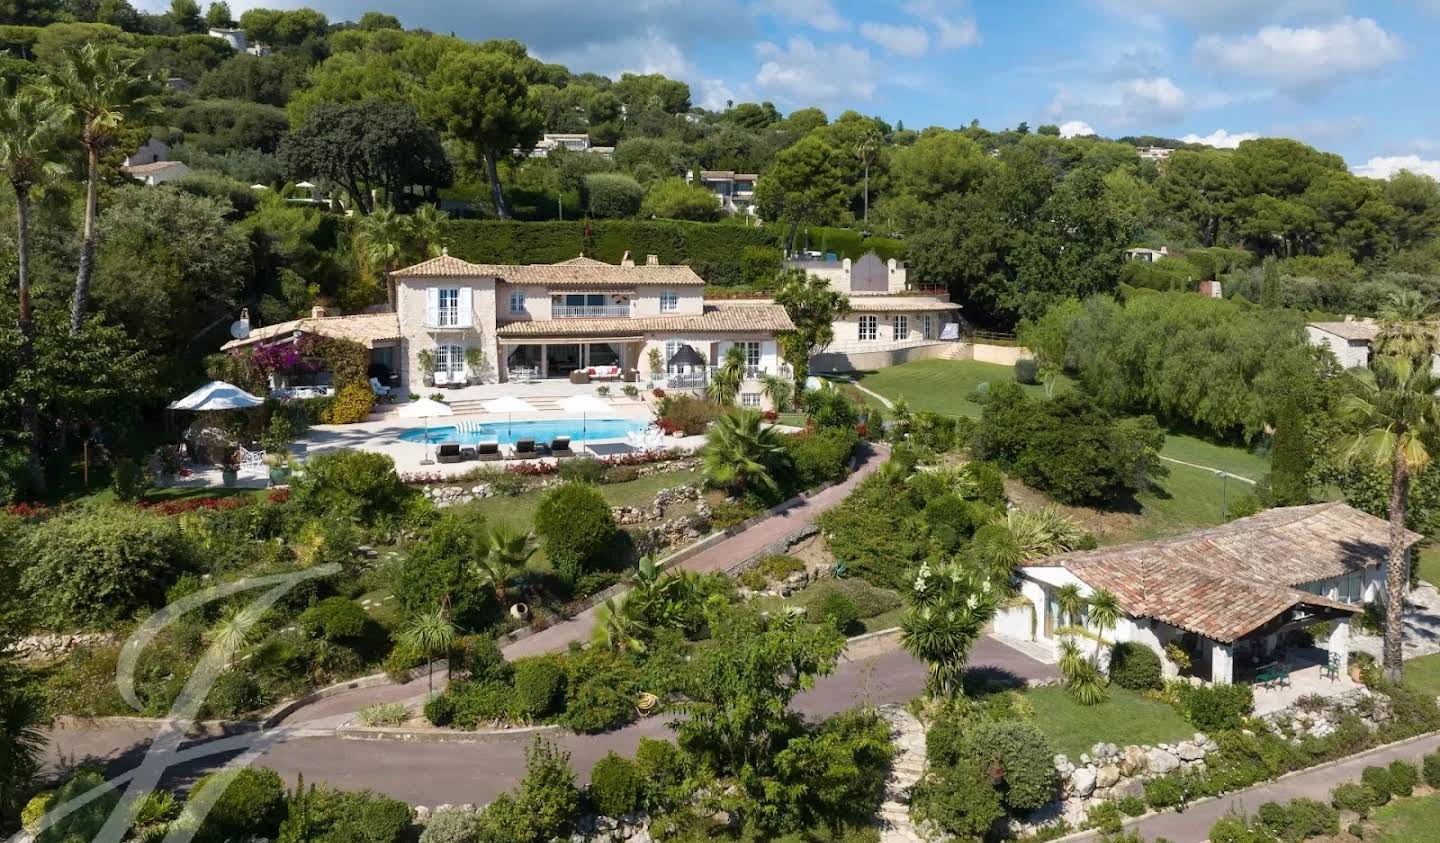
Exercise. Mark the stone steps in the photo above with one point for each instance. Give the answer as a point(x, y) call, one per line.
point(906, 769)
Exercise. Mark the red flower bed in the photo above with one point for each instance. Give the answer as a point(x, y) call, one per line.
point(278, 495)
point(194, 504)
point(658, 392)
point(770, 415)
point(28, 511)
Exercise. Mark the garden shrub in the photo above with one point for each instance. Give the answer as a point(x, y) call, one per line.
point(360, 486)
point(128, 479)
point(352, 405)
point(1131, 806)
point(1027, 371)
point(479, 704)
point(233, 694)
point(325, 815)
point(548, 798)
point(1165, 792)
point(726, 513)
point(960, 800)
point(1403, 777)
point(1300, 819)
point(439, 567)
point(612, 195)
point(989, 482)
point(601, 691)
point(383, 714)
point(90, 568)
point(1238, 830)
point(837, 610)
point(440, 709)
point(950, 519)
point(1105, 818)
point(1214, 708)
point(539, 686)
point(1135, 666)
point(1377, 779)
point(86, 822)
point(584, 470)
point(478, 657)
point(616, 787)
point(1432, 769)
point(663, 769)
point(1021, 750)
point(821, 456)
point(869, 600)
point(336, 619)
point(575, 525)
point(686, 413)
point(251, 804)
point(862, 533)
point(452, 825)
point(1353, 797)
point(777, 566)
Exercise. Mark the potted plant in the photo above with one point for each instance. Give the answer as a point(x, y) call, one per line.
point(630, 390)
point(230, 467)
point(519, 611)
point(425, 359)
point(475, 364)
point(602, 391)
point(657, 365)
point(279, 468)
point(167, 460)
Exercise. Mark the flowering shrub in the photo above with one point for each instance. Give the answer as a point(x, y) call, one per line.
point(278, 495)
point(193, 504)
point(770, 415)
point(544, 469)
point(302, 355)
point(658, 392)
point(28, 511)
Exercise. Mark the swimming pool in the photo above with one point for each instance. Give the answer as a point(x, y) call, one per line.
point(541, 431)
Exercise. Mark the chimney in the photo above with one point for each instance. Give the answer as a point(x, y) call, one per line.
point(627, 260)
point(245, 317)
point(652, 260)
point(317, 312)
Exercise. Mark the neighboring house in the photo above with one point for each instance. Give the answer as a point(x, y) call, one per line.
point(734, 191)
point(1148, 255)
point(551, 320)
point(889, 321)
point(1349, 341)
point(1212, 289)
point(1153, 153)
point(1229, 595)
point(151, 151)
point(158, 172)
point(234, 37)
point(574, 142)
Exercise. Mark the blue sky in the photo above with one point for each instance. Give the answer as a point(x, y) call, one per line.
point(1349, 77)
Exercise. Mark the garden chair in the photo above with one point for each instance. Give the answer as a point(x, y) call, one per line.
point(448, 452)
point(560, 447)
point(524, 450)
point(486, 451)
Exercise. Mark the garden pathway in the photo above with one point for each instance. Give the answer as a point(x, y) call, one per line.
point(905, 771)
point(1422, 626)
point(1193, 825)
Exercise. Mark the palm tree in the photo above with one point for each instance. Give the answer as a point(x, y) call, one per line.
point(426, 227)
point(383, 238)
point(32, 137)
point(740, 452)
point(235, 630)
point(1071, 603)
point(1396, 416)
point(777, 389)
point(1103, 609)
point(1407, 327)
point(103, 91)
point(428, 633)
point(505, 553)
point(725, 383)
point(950, 610)
point(618, 627)
point(865, 150)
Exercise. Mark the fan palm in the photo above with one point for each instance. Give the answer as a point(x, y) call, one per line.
point(1071, 603)
point(32, 139)
point(618, 628)
point(234, 631)
point(384, 239)
point(778, 390)
point(430, 634)
point(725, 383)
point(104, 92)
point(425, 227)
point(740, 453)
point(1407, 327)
point(504, 554)
point(1395, 414)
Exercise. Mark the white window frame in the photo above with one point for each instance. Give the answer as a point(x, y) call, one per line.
point(927, 326)
point(669, 301)
point(750, 399)
point(447, 309)
point(517, 301)
point(900, 326)
point(868, 326)
point(450, 358)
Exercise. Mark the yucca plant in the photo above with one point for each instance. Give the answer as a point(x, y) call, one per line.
point(430, 634)
point(234, 631)
point(1044, 531)
point(1071, 604)
point(1086, 684)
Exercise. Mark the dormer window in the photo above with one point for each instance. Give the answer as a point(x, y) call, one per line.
point(669, 301)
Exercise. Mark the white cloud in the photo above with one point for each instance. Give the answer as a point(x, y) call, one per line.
point(1075, 129)
point(1222, 14)
point(817, 14)
point(802, 73)
point(1221, 139)
point(910, 41)
point(649, 52)
point(715, 94)
point(1302, 59)
point(953, 28)
point(1384, 167)
point(1129, 102)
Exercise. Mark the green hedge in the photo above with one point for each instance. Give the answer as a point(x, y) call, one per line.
point(714, 251)
point(845, 242)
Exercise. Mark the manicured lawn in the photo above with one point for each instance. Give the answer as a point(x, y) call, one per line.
point(1427, 566)
point(1408, 820)
point(518, 512)
point(1125, 718)
point(1186, 498)
point(1234, 459)
point(944, 386)
point(1424, 674)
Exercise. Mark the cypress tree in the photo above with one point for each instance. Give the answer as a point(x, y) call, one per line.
point(1270, 292)
point(1290, 458)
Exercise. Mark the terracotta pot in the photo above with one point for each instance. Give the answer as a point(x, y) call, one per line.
point(520, 611)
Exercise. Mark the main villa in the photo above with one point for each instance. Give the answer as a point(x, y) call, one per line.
point(457, 323)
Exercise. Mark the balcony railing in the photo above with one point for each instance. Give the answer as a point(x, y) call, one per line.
point(589, 311)
point(447, 317)
point(698, 378)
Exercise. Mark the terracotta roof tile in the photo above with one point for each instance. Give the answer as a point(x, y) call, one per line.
point(363, 328)
point(736, 318)
point(1361, 331)
point(575, 272)
point(866, 303)
point(1226, 581)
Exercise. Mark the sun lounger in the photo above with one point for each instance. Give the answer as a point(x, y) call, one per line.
point(448, 452)
point(524, 450)
point(560, 447)
point(485, 451)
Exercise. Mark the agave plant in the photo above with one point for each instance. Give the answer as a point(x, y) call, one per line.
point(1044, 531)
point(1086, 684)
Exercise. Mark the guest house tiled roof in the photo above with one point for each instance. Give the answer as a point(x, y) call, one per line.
point(732, 318)
point(364, 328)
point(899, 304)
point(1359, 331)
point(1226, 581)
point(580, 272)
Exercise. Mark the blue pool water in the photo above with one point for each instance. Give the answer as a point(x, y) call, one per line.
point(540, 431)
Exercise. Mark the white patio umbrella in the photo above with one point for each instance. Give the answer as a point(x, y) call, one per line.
point(424, 409)
point(584, 405)
point(509, 405)
point(218, 395)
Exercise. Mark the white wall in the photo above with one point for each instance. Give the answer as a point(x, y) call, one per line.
point(1350, 353)
point(1004, 355)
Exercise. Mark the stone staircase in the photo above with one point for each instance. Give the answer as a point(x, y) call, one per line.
point(959, 350)
point(907, 768)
